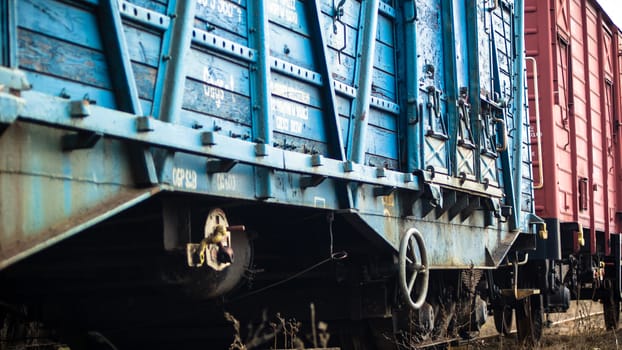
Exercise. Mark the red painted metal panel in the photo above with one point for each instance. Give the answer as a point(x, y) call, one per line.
point(607, 63)
point(562, 115)
point(580, 124)
point(539, 41)
point(617, 105)
point(577, 50)
point(594, 116)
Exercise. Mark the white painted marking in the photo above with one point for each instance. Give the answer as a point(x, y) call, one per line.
point(185, 178)
point(319, 202)
point(226, 182)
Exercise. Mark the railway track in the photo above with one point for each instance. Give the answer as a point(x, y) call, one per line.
point(571, 330)
point(582, 319)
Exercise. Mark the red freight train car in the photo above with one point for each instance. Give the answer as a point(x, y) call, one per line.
point(575, 108)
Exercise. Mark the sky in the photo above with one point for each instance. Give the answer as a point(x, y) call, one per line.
point(613, 9)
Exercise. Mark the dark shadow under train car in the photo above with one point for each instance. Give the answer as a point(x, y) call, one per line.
point(171, 168)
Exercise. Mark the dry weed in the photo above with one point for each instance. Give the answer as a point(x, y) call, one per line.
point(581, 328)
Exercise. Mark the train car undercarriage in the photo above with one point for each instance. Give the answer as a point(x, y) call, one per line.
point(115, 286)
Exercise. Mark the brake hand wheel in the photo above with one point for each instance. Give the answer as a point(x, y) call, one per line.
point(413, 274)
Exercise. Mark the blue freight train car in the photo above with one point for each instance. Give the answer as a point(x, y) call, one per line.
point(162, 161)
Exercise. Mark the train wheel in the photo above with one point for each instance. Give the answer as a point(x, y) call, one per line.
point(611, 310)
point(503, 319)
point(411, 271)
point(529, 319)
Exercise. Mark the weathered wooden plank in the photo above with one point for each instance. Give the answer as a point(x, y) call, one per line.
point(383, 119)
point(290, 14)
point(222, 15)
point(212, 123)
point(211, 100)
point(51, 56)
point(145, 80)
point(351, 12)
point(335, 33)
point(380, 142)
point(295, 90)
point(60, 20)
point(299, 144)
point(384, 58)
point(295, 49)
point(383, 162)
point(383, 85)
point(342, 67)
point(218, 72)
point(143, 46)
point(220, 32)
point(385, 32)
point(377, 117)
point(155, 5)
point(70, 89)
point(297, 119)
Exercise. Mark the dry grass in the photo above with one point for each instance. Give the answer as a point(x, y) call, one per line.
point(596, 340)
point(582, 332)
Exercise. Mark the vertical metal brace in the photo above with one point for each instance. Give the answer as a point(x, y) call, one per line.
point(169, 89)
point(126, 92)
point(474, 81)
point(451, 80)
point(519, 104)
point(329, 97)
point(169, 93)
point(117, 55)
point(357, 139)
point(329, 100)
point(258, 36)
point(413, 133)
point(511, 158)
point(8, 33)
point(540, 183)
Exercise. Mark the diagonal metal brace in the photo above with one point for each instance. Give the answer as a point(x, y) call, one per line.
point(80, 140)
point(220, 165)
point(311, 180)
point(384, 190)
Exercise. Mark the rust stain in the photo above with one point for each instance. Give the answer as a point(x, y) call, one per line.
point(389, 230)
point(388, 201)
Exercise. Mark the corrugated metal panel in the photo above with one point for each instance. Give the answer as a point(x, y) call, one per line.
point(576, 62)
